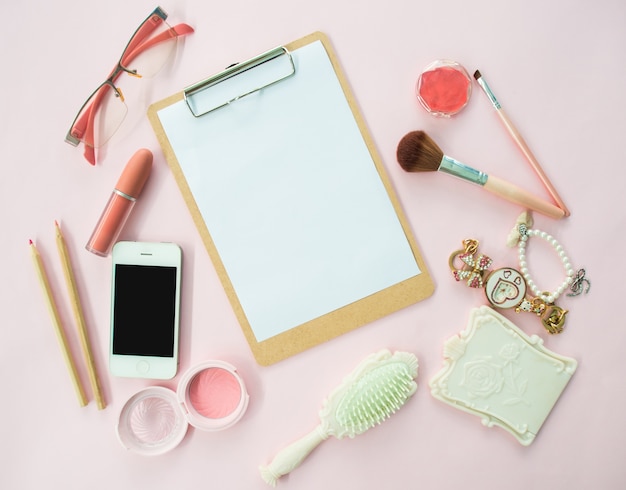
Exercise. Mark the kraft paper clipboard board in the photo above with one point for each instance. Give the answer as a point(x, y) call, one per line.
point(291, 199)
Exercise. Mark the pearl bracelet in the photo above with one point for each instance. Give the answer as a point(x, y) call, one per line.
point(547, 296)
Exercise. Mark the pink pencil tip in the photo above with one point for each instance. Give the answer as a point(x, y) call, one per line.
point(30, 242)
point(56, 223)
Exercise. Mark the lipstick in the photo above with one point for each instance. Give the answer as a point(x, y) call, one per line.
point(121, 203)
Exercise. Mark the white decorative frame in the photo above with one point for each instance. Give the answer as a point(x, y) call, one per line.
point(494, 370)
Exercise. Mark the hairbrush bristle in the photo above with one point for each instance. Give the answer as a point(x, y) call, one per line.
point(375, 397)
point(417, 152)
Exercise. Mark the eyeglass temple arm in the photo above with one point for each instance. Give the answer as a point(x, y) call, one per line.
point(178, 30)
point(89, 154)
point(144, 30)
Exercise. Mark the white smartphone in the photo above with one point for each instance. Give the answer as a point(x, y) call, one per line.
point(145, 310)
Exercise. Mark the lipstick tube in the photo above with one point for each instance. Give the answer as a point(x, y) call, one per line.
point(121, 203)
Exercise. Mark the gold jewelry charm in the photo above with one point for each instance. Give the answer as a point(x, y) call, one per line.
point(554, 320)
point(474, 267)
point(552, 316)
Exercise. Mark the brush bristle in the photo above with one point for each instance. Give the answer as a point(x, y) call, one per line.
point(376, 397)
point(477, 74)
point(417, 152)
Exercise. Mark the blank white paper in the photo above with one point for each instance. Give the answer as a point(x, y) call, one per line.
point(291, 197)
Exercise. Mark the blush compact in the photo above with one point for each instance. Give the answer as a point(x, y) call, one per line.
point(210, 396)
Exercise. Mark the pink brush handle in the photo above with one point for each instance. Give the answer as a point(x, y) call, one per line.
point(517, 137)
point(519, 196)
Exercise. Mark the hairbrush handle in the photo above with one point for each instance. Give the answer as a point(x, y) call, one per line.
point(524, 198)
point(290, 457)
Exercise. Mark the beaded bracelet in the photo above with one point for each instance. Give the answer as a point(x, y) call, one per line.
point(547, 296)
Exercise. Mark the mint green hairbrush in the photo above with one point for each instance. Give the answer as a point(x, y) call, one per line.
point(378, 387)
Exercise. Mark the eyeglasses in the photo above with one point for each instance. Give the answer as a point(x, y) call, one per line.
point(150, 47)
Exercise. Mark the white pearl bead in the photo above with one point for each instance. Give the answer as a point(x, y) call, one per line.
point(547, 296)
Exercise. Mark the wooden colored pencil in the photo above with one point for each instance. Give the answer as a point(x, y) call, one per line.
point(56, 320)
point(70, 280)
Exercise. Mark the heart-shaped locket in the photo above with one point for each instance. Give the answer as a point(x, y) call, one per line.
point(505, 288)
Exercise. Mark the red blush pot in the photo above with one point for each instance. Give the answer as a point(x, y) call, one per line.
point(444, 88)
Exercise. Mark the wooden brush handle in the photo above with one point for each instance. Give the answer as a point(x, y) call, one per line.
point(519, 196)
point(521, 143)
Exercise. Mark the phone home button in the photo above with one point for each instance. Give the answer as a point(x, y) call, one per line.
point(143, 367)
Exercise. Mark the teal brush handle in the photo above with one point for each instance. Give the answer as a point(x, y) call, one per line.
point(290, 457)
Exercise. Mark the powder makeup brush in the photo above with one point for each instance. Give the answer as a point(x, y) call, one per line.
point(377, 388)
point(417, 152)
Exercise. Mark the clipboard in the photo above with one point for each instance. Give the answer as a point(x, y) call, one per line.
point(291, 198)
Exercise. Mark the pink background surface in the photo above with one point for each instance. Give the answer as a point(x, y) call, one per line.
point(556, 67)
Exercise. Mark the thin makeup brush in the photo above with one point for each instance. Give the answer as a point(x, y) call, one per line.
point(519, 141)
point(417, 152)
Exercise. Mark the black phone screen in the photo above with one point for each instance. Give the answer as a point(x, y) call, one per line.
point(144, 310)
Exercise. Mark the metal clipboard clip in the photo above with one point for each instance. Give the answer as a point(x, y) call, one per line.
point(239, 80)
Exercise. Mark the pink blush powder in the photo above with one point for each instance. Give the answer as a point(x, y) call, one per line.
point(214, 393)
